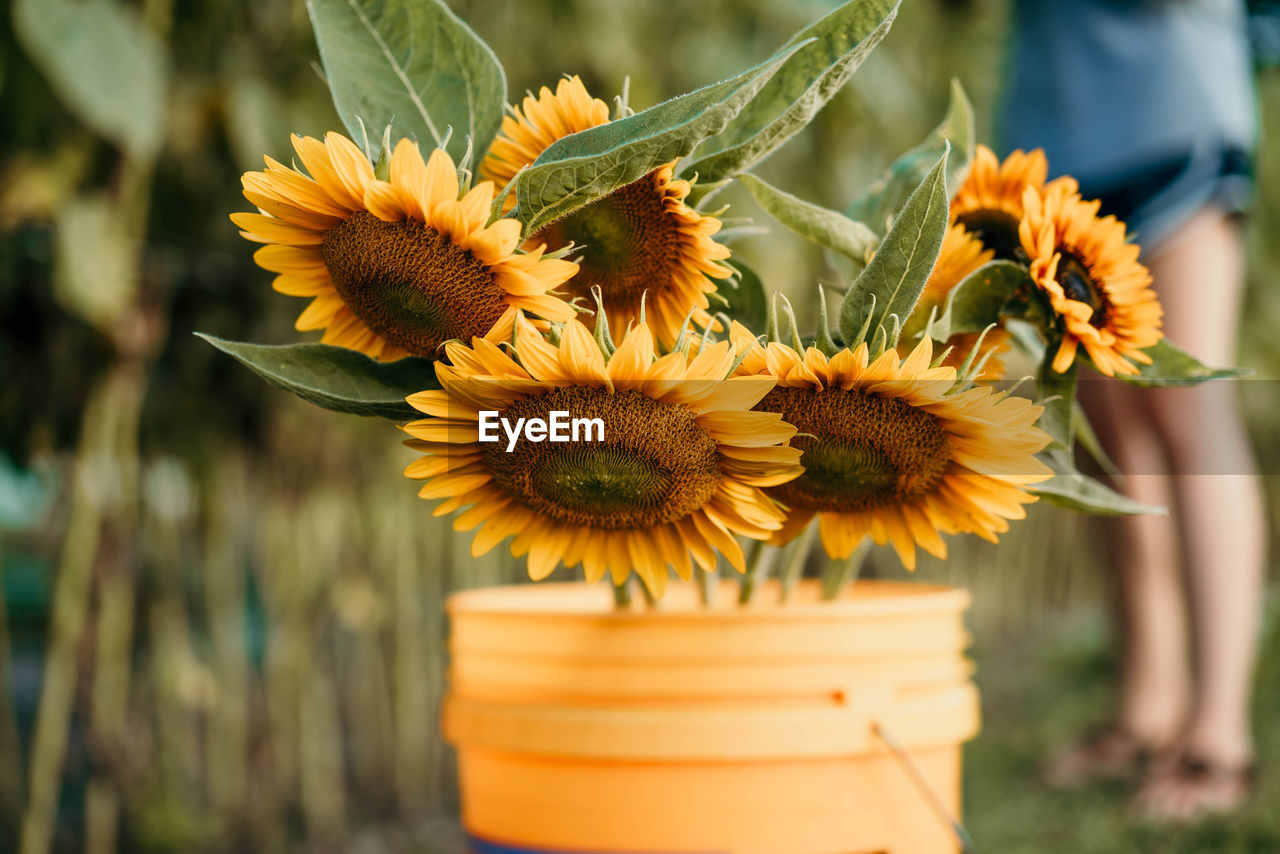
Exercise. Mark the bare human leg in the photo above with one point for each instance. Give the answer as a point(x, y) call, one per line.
point(1155, 688)
point(1219, 520)
point(1149, 597)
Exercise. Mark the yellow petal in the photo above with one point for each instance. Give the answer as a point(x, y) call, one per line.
point(580, 356)
point(267, 229)
point(318, 314)
point(720, 540)
point(315, 156)
point(441, 180)
point(634, 355)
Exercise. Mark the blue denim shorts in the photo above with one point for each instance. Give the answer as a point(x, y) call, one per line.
point(1158, 198)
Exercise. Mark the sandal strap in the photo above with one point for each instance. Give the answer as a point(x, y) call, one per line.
point(1116, 739)
point(1199, 768)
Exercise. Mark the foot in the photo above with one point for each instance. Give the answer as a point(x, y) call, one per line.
point(1111, 754)
point(1184, 790)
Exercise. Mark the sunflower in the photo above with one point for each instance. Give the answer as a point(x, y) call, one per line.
point(989, 203)
point(393, 268)
point(1093, 279)
point(676, 469)
point(962, 254)
point(641, 239)
point(537, 123)
point(894, 450)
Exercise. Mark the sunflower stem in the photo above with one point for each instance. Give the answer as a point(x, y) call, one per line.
point(622, 595)
point(706, 580)
point(753, 574)
point(650, 600)
point(842, 572)
point(795, 566)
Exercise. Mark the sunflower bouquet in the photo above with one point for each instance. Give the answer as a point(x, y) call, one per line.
point(536, 292)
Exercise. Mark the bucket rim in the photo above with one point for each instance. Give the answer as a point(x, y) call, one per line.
point(578, 599)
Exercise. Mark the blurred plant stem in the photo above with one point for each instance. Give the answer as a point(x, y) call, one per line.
point(842, 572)
point(10, 746)
point(179, 686)
point(109, 700)
point(110, 419)
point(706, 579)
point(320, 742)
point(756, 570)
point(227, 733)
point(622, 594)
point(102, 532)
point(795, 563)
point(411, 692)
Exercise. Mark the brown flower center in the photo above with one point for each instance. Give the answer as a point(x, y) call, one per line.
point(864, 451)
point(655, 464)
point(997, 229)
point(1078, 284)
point(411, 284)
point(630, 243)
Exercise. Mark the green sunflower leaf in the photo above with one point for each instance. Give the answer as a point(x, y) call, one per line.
point(582, 167)
point(1082, 494)
point(881, 200)
point(1173, 366)
point(892, 282)
point(336, 378)
point(800, 89)
point(977, 301)
point(746, 300)
point(413, 61)
point(825, 227)
point(106, 66)
point(974, 304)
point(1087, 440)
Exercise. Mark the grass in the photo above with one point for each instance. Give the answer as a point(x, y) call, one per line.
point(1041, 691)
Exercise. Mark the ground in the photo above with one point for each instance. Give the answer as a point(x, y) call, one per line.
point(1038, 696)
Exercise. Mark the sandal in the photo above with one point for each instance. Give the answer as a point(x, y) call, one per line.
point(1109, 754)
point(1188, 789)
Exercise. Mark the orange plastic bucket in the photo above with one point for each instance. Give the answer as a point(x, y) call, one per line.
point(683, 729)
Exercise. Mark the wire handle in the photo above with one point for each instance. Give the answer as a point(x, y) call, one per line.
point(922, 786)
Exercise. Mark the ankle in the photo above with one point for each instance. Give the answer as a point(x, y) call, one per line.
point(1228, 747)
point(1152, 731)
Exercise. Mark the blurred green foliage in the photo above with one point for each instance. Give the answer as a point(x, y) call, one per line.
point(258, 653)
